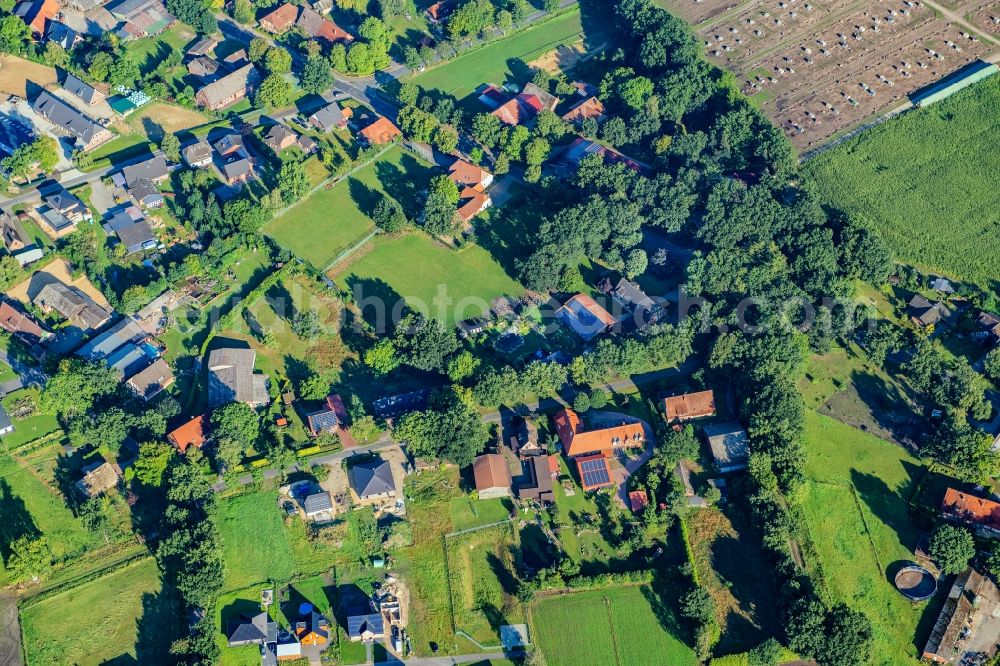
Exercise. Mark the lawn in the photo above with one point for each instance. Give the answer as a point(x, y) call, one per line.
point(468, 512)
point(502, 61)
point(149, 52)
point(31, 428)
point(860, 529)
point(623, 626)
point(157, 118)
point(118, 618)
point(255, 549)
point(331, 220)
point(925, 181)
point(448, 284)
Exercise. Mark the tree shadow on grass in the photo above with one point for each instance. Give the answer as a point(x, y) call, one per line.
point(662, 597)
point(398, 181)
point(380, 305)
point(508, 583)
point(157, 627)
point(881, 499)
point(363, 196)
point(17, 521)
point(153, 130)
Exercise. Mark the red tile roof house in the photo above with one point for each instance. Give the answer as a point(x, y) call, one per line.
point(588, 108)
point(689, 406)
point(439, 11)
point(583, 314)
point(190, 434)
point(36, 14)
point(465, 174)
point(492, 476)
point(578, 441)
point(379, 132)
point(280, 19)
point(229, 89)
point(982, 515)
point(21, 325)
point(315, 25)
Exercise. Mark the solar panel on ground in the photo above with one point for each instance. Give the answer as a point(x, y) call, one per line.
point(595, 472)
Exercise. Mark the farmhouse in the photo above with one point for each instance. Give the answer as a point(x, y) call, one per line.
point(86, 132)
point(372, 479)
point(203, 47)
point(582, 148)
point(279, 20)
point(689, 406)
point(316, 25)
point(465, 174)
point(578, 441)
point(231, 378)
point(588, 108)
point(523, 437)
point(492, 476)
point(191, 433)
point(99, 477)
point(36, 14)
point(729, 444)
point(380, 132)
point(86, 92)
point(203, 67)
point(968, 621)
point(198, 154)
point(587, 319)
point(22, 325)
point(331, 116)
point(141, 18)
point(229, 89)
point(471, 202)
point(330, 419)
point(491, 97)
point(72, 304)
point(924, 314)
point(537, 479)
point(513, 113)
point(983, 515)
point(536, 99)
point(148, 383)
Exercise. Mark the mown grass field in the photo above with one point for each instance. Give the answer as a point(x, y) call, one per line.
point(421, 271)
point(330, 221)
point(119, 618)
point(621, 626)
point(859, 525)
point(468, 512)
point(926, 181)
point(501, 61)
point(31, 428)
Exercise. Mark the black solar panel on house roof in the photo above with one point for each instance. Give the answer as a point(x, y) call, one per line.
point(595, 472)
point(324, 420)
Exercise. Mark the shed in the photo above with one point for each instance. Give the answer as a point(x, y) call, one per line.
point(729, 444)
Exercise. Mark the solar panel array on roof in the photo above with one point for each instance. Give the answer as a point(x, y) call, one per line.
point(326, 420)
point(594, 472)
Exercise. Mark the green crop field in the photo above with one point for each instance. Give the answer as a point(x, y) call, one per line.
point(926, 181)
point(496, 63)
point(118, 618)
point(330, 221)
point(420, 270)
point(858, 522)
point(623, 626)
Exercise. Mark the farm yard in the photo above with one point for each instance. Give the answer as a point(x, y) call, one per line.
point(332, 220)
point(818, 68)
point(622, 626)
point(905, 186)
point(860, 531)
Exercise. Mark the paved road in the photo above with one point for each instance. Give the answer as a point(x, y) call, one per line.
point(10, 632)
point(26, 375)
point(448, 661)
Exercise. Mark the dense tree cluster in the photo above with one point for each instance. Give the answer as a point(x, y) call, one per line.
point(41, 154)
point(451, 431)
point(196, 13)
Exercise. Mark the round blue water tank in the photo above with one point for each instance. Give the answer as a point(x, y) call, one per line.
point(305, 608)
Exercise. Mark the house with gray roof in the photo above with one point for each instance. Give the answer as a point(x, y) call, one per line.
point(72, 304)
point(151, 380)
point(365, 627)
point(86, 132)
point(318, 506)
point(144, 193)
point(231, 378)
point(132, 229)
point(154, 169)
point(86, 92)
point(229, 89)
point(372, 479)
point(729, 444)
point(330, 117)
point(198, 154)
point(6, 425)
point(101, 346)
point(253, 630)
point(63, 35)
point(70, 206)
point(58, 222)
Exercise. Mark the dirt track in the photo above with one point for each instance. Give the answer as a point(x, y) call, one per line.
point(10, 632)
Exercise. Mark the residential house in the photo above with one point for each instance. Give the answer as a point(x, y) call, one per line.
point(318, 506)
point(981, 514)
point(471, 202)
point(132, 229)
point(198, 154)
point(145, 193)
point(523, 108)
point(86, 132)
point(229, 89)
point(286, 647)
point(594, 471)
point(365, 627)
point(278, 138)
point(141, 18)
point(57, 222)
point(492, 97)
point(237, 164)
point(638, 500)
point(22, 325)
point(100, 347)
point(6, 425)
point(440, 11)
point(380, 132)
point(279, 20)
point(630, 296)
point(14, 238)
point(331, 116)
point(203, 47)
point(190, 434)
point(237, 171)
point(582, 148)
point(523, 437)
point(967, 620)
point(254, 630)
point(236, 59)
point(154, 169)
point(84, 91)
point(583, 314)
point(63, 35)
point(468, 328)
point(372, 479)
point(317, 26)
point(203, 67)
point(150, 382)
point(536, 99)
point(99, 477)
point(69, 206)
point(307, 144)
point(231, 378)
point(71, 304)
point(513, 113)
point(36, 14)
point(588, 108)
point(924, 314)
point(729, 444)
point(577, 440)
point(492, 476)
point(465, 174)
point(313, 631)
point(689, 406)
point(330, 419)
point(394, 406)
point(942, 286)
point(537, 480)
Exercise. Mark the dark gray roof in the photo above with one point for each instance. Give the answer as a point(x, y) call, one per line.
point(237, 168)
point(145, 192)
point(83, 90)
point(65, 202)
point(257, 629)
point(122, 218)
point(276, 134)
point(229, 142)
point(323, 420)
point(136, 236)
point(72, 304)
point(231, 377)
point(328, 117)
point(102, 345)
point(203, 46)
point(56, 220)
point(317, 502)
point(729, 443)
point(64, 116)
point(64, 36)
point(152, 169)
point(127, 360)
point(197, 152)
point(358, 624)
point(632, 294)
point(371, 478)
